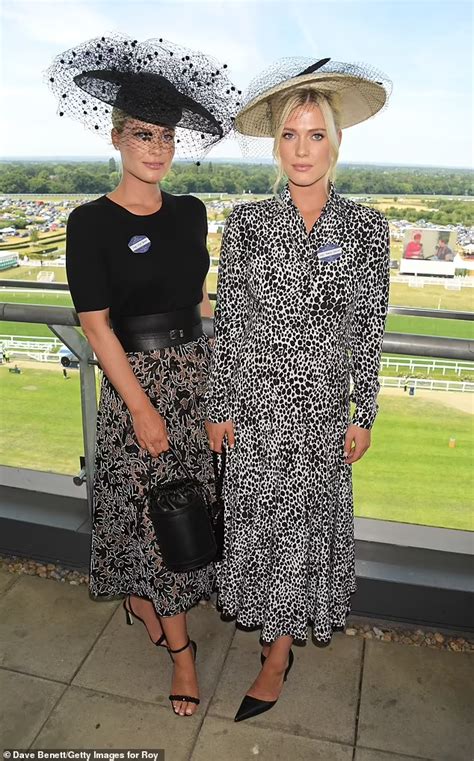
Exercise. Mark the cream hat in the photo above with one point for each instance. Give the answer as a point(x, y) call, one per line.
point(361, 91)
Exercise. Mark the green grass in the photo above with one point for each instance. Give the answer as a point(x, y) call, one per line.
point(41, 420)
point(31, 273)
point(410, 474)
point(432, 297)
point(427, 326)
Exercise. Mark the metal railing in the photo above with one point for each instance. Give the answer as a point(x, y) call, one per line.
point(64, 323)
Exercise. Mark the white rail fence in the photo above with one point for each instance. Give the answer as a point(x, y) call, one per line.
point(427, 383)
point(42, 349)
point(419, 281)
point(429, 365)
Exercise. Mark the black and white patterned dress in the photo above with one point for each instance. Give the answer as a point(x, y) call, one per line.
point(297, 316)
point(165, 272)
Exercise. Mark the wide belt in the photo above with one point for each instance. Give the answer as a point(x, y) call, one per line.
point(147, 332)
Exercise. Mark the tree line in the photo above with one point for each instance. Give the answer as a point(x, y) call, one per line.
point(442, 212)
point(97, 177)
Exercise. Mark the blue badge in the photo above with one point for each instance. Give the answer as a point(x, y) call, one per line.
point(330, 252)
point(139, 244)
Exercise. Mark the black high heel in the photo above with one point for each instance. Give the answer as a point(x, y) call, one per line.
point(130, 615)
point(250, 706)
point(184, 698)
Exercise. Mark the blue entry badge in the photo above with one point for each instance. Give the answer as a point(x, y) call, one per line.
point(330, 252)
point(139, 244)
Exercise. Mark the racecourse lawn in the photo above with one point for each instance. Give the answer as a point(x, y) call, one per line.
point(40, 416)
point(410, 474)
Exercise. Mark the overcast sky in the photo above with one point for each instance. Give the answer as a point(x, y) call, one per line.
point(423, 46)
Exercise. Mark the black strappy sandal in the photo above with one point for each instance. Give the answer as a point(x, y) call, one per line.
point(130, 615)
point(184, 698)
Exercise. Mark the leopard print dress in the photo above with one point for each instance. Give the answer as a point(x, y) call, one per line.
point(297, 316)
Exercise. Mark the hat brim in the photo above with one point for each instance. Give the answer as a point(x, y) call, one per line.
point(359, 99)
point(148, 97)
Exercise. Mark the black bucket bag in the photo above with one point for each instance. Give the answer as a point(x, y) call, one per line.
point(184, 519)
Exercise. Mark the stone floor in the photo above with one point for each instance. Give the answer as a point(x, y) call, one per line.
point(72, 675)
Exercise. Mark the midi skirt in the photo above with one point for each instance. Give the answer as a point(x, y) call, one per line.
point(125, 558)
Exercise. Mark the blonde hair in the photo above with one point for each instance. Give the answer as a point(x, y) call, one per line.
point(284, 105)
point(119, 118)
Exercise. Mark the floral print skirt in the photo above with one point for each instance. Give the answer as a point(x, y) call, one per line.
point(124, 555)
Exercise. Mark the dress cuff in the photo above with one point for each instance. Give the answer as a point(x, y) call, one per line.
point(364, 416)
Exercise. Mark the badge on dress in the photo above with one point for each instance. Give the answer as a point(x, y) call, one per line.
point(139, 244)
point(330, 252)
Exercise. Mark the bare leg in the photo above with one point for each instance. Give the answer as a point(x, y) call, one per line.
point(184, 671)
point(269, 682)
point(144, 609)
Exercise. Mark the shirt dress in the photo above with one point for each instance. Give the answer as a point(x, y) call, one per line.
point(298, 315)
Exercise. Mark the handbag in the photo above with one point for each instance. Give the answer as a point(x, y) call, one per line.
point(180, 513)
point(217, 507)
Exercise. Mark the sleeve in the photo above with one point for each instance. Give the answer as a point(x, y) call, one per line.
point(367, 329)
point(86, 268)
point(230, 319)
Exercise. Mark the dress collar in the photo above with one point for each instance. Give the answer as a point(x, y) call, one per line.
point(332, 204)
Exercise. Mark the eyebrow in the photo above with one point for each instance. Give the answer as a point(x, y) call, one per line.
point(313, 129)
point(153, 132)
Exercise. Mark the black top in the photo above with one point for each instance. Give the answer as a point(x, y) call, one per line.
point(135, 264)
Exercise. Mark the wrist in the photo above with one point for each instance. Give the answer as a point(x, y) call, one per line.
point(140, 406)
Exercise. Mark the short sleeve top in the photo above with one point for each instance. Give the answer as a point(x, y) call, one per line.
point(133, 264)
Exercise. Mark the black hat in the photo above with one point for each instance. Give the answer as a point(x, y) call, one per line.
point(154, 81)
point(148, 97)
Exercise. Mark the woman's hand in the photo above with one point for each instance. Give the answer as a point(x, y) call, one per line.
point(356, 443)
point(217, 432)
point(150, 430)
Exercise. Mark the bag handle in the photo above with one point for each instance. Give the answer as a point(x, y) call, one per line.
point(176, 456)
point(219, 476)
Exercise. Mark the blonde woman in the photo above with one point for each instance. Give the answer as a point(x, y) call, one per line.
point(301, 305)
point(136, 263)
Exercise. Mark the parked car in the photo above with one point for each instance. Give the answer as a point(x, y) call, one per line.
point(67, 358)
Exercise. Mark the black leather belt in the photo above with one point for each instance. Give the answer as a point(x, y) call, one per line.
point(147, 332)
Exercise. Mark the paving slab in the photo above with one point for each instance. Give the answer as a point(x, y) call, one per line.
point(364, 754)
point(223, 739)
point(124, 661)
point(47, 628)
point(7, 579)
point(417, 701)
point(87, 719)
point(319, 699)
point(29, 703)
